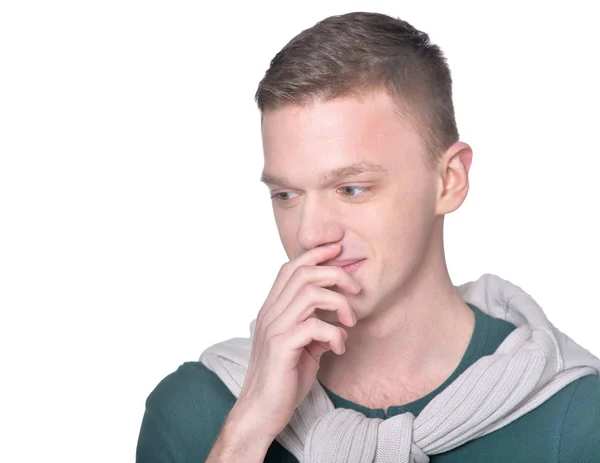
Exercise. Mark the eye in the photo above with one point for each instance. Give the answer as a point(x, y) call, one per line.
point(281, 195)
point(352, 187)
point(277, 195)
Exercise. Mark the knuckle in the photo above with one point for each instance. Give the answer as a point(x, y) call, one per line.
point(285, 268)
point(312, 323)
point(269, 333)
point(308, 292)
point(261, 316)
point(272, 342)
point(302, 271)
point(262, 320)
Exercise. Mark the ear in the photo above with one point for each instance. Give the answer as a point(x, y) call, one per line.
point(453, 177)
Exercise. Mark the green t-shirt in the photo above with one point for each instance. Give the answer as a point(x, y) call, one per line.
point(185, 412)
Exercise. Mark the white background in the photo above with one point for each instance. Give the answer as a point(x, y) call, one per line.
point(134, 232)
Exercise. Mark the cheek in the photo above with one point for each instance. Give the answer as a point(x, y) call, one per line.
point(403, 226)
point(405, 212)
point(287, 235)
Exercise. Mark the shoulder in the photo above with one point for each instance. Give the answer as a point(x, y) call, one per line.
point(580, 435)
point(191, 385)
point(564, 428)
point(184, 415)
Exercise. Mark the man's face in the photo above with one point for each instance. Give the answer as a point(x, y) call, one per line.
point(385, 216)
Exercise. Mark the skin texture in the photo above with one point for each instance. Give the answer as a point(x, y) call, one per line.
point(412, 328)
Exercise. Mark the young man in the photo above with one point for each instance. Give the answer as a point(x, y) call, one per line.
point(364, 350)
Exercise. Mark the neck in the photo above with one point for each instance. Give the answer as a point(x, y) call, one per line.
point(407, 348)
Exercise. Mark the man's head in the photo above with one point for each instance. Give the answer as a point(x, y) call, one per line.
point(367, 91)
point(357, 53)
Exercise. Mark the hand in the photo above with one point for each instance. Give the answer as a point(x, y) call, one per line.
point(289, 340)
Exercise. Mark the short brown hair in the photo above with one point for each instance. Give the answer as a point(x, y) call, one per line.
point(359, 52)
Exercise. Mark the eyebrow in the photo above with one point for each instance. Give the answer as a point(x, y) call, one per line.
point(334, 174)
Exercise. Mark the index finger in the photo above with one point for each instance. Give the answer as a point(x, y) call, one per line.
point(313, 256)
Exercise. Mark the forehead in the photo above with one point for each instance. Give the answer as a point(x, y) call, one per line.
point(323, 135)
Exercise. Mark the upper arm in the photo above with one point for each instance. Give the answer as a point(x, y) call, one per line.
point(580, 437)
point(183, 417)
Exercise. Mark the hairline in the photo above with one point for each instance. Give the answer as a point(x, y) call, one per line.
point(406, 110)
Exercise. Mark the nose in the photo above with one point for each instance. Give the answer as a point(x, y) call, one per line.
point(318, 225)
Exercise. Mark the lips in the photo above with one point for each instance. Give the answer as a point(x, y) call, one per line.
point(348, 265)
point(341, 262)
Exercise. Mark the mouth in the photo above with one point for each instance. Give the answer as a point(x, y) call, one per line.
point(347, 266)
point(353, 267)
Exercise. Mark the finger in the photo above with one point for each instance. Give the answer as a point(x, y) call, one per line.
point(303, 306)
point(316, 349)
point(312, 257)
point(311, 330)
point(304, 276)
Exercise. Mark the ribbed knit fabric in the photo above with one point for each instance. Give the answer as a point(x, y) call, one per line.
point(534, 362)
